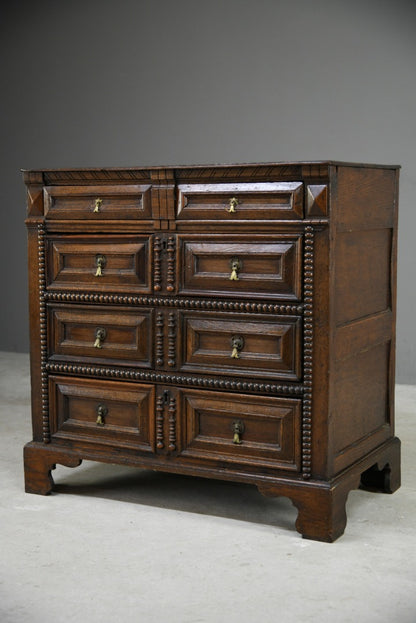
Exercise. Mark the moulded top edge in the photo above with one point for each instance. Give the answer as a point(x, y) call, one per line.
point(149, 168)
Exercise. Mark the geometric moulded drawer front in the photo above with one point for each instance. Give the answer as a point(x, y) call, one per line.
point(262, 346)
point(231, 202)
point(99, 263)
point(104, 412)
point(101, 334)
point(98, 203)
point(242, 267)
point(269, 429)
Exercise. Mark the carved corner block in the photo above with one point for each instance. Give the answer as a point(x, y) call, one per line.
point(35, 206)
point(317, 200)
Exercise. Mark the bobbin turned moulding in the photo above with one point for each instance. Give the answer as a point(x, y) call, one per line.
point(233, 322)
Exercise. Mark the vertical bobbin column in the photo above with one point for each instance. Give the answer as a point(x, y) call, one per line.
point(157, 263)
point(43, 334)
point(307, 352)
point(160, 422)
point(172, 423)
point(171, 251)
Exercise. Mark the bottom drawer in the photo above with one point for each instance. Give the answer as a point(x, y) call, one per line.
point(105, 412)
point(250, 430)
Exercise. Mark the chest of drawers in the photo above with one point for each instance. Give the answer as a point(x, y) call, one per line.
point(233, 322)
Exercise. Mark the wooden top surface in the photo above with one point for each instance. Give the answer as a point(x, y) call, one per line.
point(222, 166)
point(200, 173)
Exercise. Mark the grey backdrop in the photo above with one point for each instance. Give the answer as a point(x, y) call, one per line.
point(133, 82)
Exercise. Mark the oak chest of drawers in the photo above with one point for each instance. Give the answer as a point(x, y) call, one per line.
point(232, 322)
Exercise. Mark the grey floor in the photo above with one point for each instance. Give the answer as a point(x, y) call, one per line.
point(115, 544)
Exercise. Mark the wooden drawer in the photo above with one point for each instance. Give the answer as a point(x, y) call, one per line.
point(100, 264)
point(269, 429)
point(105, 412)
point(229, 202)
point(98, 203)
point(103, 335)
point(242, 266)
point(244, 345)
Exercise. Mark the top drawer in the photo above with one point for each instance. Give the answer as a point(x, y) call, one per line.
point(229, 202)
point(98, 202)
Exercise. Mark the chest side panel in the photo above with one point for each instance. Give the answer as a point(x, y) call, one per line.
point(363, 311)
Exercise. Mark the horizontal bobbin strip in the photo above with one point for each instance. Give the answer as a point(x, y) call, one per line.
point(186, 303)
point(178, 379)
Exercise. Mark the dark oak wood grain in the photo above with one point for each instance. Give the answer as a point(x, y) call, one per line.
point(102, 335)
point(231, 202)
point(270, 437)
point(266, 347)
point(96, 411)
point(125, 263)
point(96, 203)
point(265, 267)
point(231, 321)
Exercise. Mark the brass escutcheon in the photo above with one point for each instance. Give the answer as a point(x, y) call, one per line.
point(237, 344)
point(236, 265)
point(233, 204)
point(100, 262)
point(101, 413)
point(238, 430)
point(100, 335)
point(97, 205)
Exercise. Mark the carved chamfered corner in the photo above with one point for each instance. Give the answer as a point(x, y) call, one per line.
point(34, 200)
point(317, 200)
point(34, 184)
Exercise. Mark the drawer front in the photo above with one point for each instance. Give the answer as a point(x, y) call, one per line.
point(249, 430)
point(97, 203)
point(244, 345)
point(99, 263)
point(242, 267)
point(102, 335)
point(229, 202)
point(105, 412)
